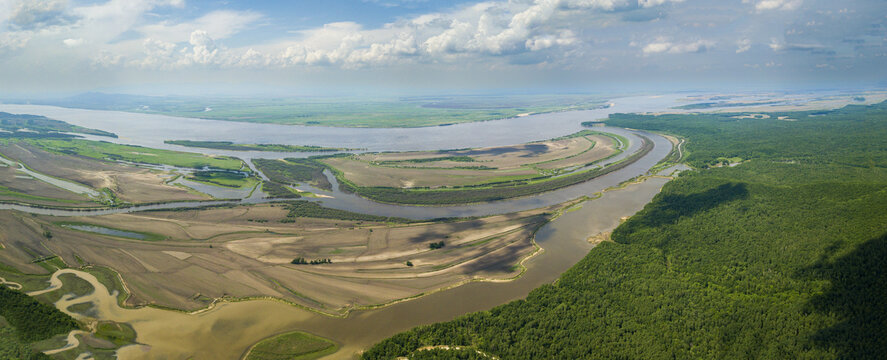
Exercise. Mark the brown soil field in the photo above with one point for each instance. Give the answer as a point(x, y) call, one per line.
point(245, 252)
point(130, 183)
point(411, 169)
point(19, 182)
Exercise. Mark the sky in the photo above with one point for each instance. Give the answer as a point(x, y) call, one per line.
point(425, 46)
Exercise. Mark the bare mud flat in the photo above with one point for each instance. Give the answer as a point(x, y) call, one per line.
point(247, 252)
point(472, 166)
point(227, 329)
point(129, 183)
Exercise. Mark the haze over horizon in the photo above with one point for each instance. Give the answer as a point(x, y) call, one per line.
point(403, 46)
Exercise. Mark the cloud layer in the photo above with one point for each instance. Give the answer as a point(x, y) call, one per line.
point(587, 36)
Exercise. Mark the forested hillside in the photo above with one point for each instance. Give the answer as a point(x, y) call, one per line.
point(783, 256)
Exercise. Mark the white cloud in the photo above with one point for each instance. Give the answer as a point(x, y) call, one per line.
point(665, 46)
point(203, 49)
point(743, 46)
point(32, 14)
point(765, 5)
point(219, 24)
point(73, 42)
point(14, 40)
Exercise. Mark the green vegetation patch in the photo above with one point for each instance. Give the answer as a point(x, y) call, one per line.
point(11, 347)
point(293, 171)
point(278, 191)
point(771, 259)
point(230, 179)
point(33, 320)
point(292, 346)
point(227, 145)
point(303, 208)
point(115, 332)
point(111, 280)
point(71, 284)
point(137, 154)
point(22, 125)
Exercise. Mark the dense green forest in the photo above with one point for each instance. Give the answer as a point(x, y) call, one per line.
point(278, 191)
point(486, 192)
point(783, 256)
point(24, 320)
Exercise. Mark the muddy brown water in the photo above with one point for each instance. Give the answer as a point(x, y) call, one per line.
point(227, 330)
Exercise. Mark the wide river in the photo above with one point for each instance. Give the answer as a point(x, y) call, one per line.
point(227, 330)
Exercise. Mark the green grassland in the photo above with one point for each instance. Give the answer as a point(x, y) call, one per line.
point(224, 178)
point(227, 145)
point(338, 111)
point(781, 257)
point(136, 154)
point(117, 333)
point(292, 346)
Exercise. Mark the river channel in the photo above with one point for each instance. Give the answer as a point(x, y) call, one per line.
point(228, 329)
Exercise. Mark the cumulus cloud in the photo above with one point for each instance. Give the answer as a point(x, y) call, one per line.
point(497, 28)
point(34, 14)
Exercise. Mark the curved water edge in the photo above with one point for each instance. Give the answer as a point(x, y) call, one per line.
point(175, 334)
point(344, 201)
point(63, 184)
point(72, 342)
point(10, 284)
point(151, 130)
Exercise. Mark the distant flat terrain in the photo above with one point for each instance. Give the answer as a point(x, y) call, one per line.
point(341, 112)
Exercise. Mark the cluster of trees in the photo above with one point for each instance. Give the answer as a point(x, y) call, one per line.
point(221, 178)
point(13, 348)
point(278, 191)
point(487, 192)
point(304, 208)
point(33, 320)
point(293, 171)
point(302, 261)
point(770, 259)
point(436, 245)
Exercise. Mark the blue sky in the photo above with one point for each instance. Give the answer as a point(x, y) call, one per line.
point(404, 46)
